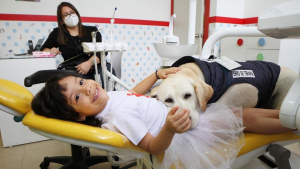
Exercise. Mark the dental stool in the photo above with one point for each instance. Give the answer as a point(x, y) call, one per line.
point(16, 99)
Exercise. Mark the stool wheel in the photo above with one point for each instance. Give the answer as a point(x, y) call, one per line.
point(44, 165)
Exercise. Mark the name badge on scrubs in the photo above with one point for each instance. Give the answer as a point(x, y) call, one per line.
point(227, 62)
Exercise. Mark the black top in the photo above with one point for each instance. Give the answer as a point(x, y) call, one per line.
point(73, 46)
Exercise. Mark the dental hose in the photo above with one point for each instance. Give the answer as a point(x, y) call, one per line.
point(95, 58)
point(111, 81)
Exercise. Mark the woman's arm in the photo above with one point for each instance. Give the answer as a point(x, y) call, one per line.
point(53, 51)
point(175, 123)
point(51, 43)
point(147, 83)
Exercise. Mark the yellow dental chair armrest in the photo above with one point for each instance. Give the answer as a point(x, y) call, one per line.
point(78, 131)
point(254, 141)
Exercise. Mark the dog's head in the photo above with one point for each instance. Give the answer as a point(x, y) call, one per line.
point(186, 90)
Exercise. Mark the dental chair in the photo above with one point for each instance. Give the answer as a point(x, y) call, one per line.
point(15, 99)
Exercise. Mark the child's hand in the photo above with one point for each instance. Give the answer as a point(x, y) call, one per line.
point(179, 122)
point(162, 74)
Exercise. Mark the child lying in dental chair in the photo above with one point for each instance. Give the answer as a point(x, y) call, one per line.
point(213, 143)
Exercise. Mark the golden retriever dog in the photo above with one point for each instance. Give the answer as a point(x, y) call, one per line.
point(188, 89)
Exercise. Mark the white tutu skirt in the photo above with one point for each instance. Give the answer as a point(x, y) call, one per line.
point(213, 144)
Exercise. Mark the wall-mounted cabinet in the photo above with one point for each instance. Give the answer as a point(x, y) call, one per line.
point(251, 48)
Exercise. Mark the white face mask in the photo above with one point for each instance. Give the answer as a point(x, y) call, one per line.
point(72, 21)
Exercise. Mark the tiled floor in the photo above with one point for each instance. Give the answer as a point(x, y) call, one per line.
point(30, 156)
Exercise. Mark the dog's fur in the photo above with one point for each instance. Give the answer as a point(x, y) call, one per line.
point(187, 89)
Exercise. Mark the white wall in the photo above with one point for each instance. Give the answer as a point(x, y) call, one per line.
point(240, 8)
point(289, 54)
point(130, 9)
point(253, 8)
point(213, 8)
point(230, 8)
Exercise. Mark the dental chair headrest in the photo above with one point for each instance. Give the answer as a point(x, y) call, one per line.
point(42, 76)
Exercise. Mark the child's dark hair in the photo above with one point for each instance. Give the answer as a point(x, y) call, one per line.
point(52, 103)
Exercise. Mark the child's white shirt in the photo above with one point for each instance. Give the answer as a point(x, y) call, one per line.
point(133, 115)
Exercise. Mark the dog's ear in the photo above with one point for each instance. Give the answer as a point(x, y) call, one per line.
point(153, 93)
point(203, 92)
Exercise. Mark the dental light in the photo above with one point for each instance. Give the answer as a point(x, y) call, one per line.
point(103, 47)
point(283, 21)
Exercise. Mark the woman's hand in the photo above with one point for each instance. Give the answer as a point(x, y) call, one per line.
point(84, 67)
point(162, 74)
point(54, 51)
point(179, 122)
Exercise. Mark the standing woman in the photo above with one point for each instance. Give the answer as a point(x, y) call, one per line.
point(67, 38)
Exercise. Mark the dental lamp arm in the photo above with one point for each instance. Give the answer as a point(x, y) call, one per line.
point(228, 32)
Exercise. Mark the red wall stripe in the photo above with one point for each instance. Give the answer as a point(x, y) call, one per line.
point(221, 19)
point(206, 20)
point(250, 20)
point(19, 17)
point(172, 7)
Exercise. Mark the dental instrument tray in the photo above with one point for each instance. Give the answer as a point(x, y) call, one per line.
point(106, 46)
